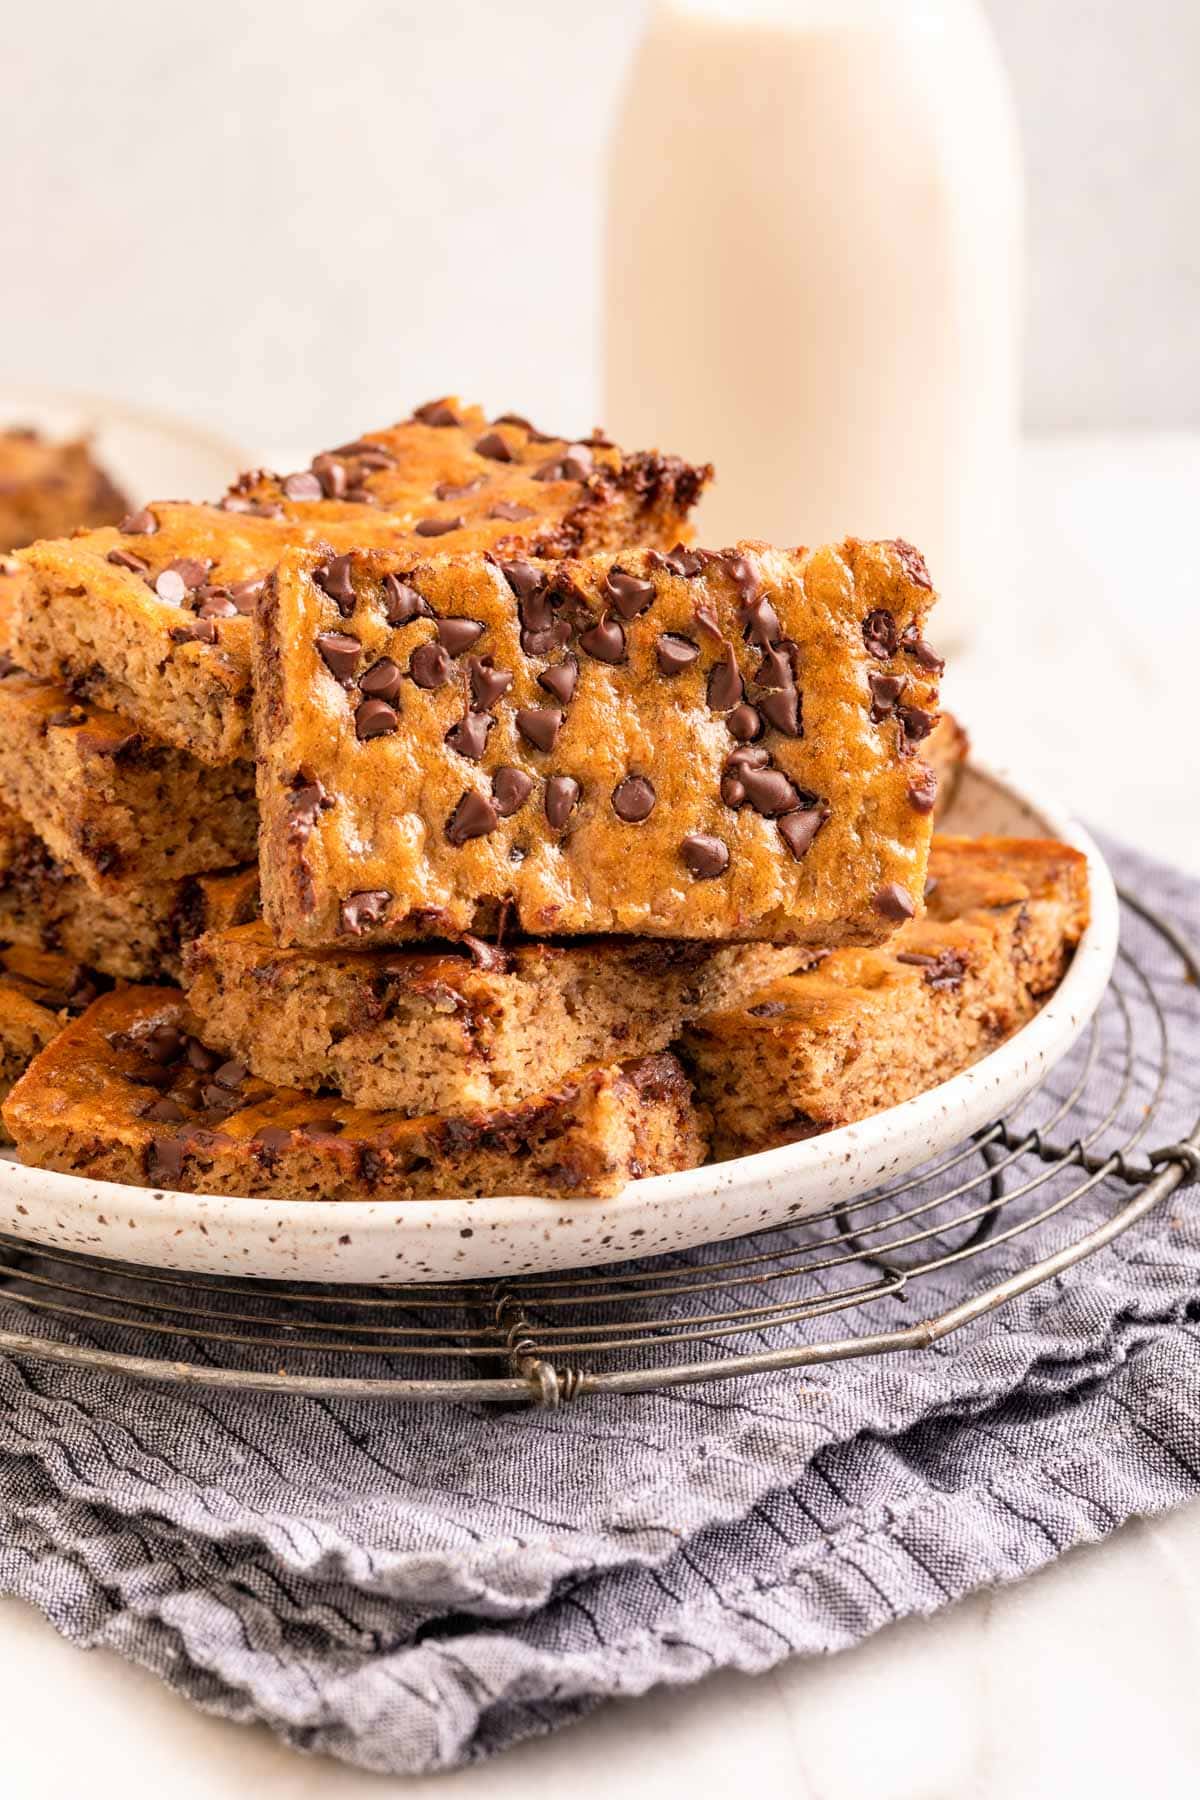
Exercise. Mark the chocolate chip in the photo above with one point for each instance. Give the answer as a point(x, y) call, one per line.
point(733, 793)
point(374, 718)
point(305, 486)
point(633, 799)
point(469, 737)
point(382, 680)
point(675, 653)
point(798, 829)
point(523, 578)
point(245, 594)
point(777, 668)
point(457, 635)
point(683, 562)
point(331, 474)
point(231, 1074)
point(511, 788)
point(894, 902)
point(271, 1139)
point(744, 723)
point(515, 419)
point(491, 959)
point(171, 587)
point(493, 446)
point(436, 412)
point(487, 684)
point(429, 666)
point(879, 634)
point(760, 622)
point(510, 510)
point(562, 797)
point(912, 562)
point(707, 619)
point(333, 579)
point(561, 679)
point(605, 641)
point(201, 1058)
point(305, 804)
point(437, 527)
point(474, 816)
point(401, 603)
point(705, 857)
point(215, 604)
point(340, 654)
point(164, 1044)
point(767, 1009)
point(769, 792)
point(885, 691)
point(781, 708)
point(540, 725)
point(364, 908)
point(139, 524)
point(165, 1111)
point(914, 645)
point(575, 464)
point(627, 593)
point(923, 790)
point(449, 490)
point(200, 631)
point(725, 685)
point(943, 972)
point(915, 723)
point(123, 559)
point(164, 1160)
point(744, 576)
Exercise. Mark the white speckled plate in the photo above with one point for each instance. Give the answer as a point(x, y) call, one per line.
point(433, 1240)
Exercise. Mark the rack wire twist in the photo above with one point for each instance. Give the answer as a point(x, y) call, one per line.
point(550, 1339)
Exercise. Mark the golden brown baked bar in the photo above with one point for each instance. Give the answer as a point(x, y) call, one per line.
point(38, 994)
point(701, 745)
point(112, 804)
point(125, 1095)
point(452, 1033)
point(152, 620)
point(48, 488)
point(866, 1029)
point(946, 750)
point(134, 932)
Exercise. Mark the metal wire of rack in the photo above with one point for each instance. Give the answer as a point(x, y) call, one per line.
point(1019, 1204)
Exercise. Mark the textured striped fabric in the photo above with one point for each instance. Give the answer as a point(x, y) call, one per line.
point(408, 1589)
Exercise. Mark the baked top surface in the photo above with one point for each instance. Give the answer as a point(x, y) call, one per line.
point(688, 745)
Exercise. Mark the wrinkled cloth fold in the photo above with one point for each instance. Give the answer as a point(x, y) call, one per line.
point(407, 1588)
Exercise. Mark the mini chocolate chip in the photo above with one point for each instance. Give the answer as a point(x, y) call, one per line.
point(305, 804)
point(401, 603)
point(216, 605)
point(231, 1074)
point(923, 790)
point(469, 737)
point(171, 587)
point(633, 799)
point(781, 708)
point(798, 829)
point(522, 578)
point(449, 490)
point(767, 1009)
point(514, 419)
point(490, 958)
point(708, 621)
point(305, 486)
point(675, 653)
point(894, 902)
point(743, 574)
point(511, 788)
point(333, 579)
point(885, 691)
point(201, 1058)
point(777, 669)
point(382, 680)
point(436, 412)
point(947, 971)
point(915, 723)
point(725, 685)
point(912, 562)
point(340, 654)
point(331, 474)
point(562, 797)
point(245, 594)
point(429, 666)
point(605, 641)
point(437, 527)
point(164, 1044)
point(124, 559)
point(575, 464)
point(510, 510)
point(544, 643)
point(139, 524)
point(474, 816)
point(493, 446)
point(561, 679)
point(684, 562)
point(374, 718)
point(457, 635)
point(487, 684)
point(272, 1138)
point(914, 645)
point(364, 908)
point(760, 622)
point(540, 725)
point(200, 631)
point(769, 792)
point(879, 634)
point(628, 594)
point(705, 857)
point(164, 1160)
point(165, 1111)
point(744, 723)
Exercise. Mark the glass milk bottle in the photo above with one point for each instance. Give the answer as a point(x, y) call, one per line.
point(813, 271)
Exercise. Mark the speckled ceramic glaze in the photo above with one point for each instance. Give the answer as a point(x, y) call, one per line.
point(433, 1240)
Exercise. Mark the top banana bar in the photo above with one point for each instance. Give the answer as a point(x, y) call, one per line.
point(153, 618)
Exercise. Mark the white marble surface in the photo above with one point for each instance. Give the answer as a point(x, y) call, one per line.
point(1081, 1681)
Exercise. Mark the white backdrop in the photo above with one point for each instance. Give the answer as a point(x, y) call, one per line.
point(292, 219)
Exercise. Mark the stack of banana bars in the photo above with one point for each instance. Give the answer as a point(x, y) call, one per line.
point(437, 820)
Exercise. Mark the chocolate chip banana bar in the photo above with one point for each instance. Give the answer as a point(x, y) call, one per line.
point(134, 932)
point(866, 1029)
point(38, 993)
point(125, 1094)
point(690, 745)
point(152, 620)
point(113, 805)
point(48, 488)
point(456, 1032)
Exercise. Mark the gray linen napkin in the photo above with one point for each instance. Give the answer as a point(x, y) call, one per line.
point(410, 1588)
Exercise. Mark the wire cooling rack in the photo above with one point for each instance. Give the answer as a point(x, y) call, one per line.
point(1106, 1139)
